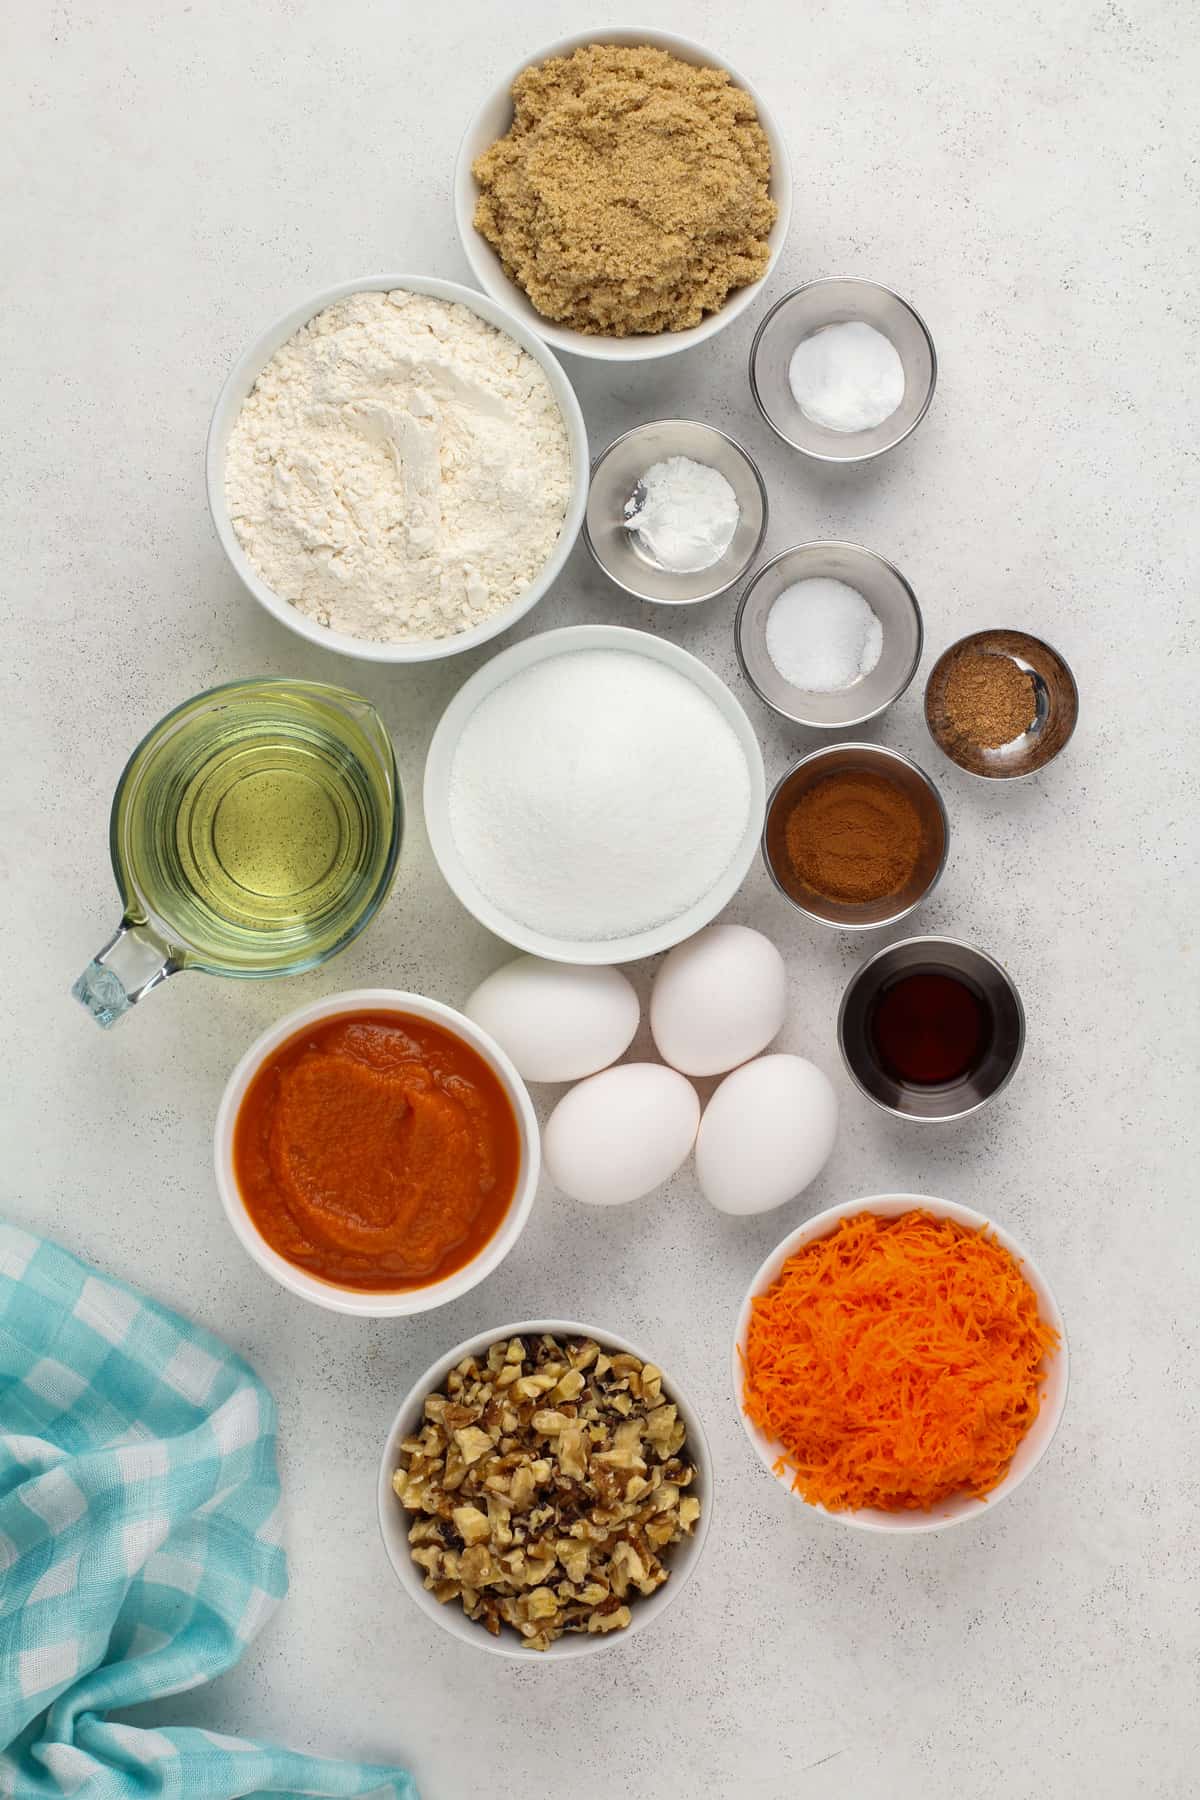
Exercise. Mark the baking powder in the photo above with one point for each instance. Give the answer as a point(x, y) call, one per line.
point(683, 514)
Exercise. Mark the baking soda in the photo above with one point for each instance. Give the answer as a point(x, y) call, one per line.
point(847, 377)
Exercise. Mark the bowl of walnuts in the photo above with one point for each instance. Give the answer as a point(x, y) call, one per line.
point(544, 1490)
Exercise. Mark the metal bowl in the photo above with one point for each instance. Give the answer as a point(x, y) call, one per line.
point(616, 473)
point(890, 598)
point(944, 1101)
point(1057, 706)
point(875, 759)
point(832, 301)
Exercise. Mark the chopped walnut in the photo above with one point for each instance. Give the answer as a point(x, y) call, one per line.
point(472, 1525)
point(473, 1444)
point(571, 1454)
point(612, 1621)
point(545, 1485)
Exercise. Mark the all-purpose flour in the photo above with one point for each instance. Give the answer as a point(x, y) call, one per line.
point(597, 794)
point(400, 470)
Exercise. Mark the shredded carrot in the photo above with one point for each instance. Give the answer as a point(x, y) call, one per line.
point(896, 1362)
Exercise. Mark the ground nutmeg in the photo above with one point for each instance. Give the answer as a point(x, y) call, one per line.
point(854, 836)
point(988, 699)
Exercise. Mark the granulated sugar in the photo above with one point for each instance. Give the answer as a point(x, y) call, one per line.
point(597, 794)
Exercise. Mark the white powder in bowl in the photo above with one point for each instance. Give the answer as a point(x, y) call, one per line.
point(683, 514)
point(847, 377)
point(400, 469)
point(822, 635)
point(597, 794)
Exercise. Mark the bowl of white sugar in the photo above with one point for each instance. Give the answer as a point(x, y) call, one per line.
point(843, 370)
point(397, 468)
point(828, 634)
point(594, 795)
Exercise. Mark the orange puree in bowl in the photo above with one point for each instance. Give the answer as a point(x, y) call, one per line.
point(376, 1150)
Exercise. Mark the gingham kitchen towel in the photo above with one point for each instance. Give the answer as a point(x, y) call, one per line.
point(139, 1543)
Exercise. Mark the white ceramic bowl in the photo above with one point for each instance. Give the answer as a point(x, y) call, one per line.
point(394, 1520)
point(403, 1302)
point(245, 373)
point(493, 120)
point(440, 760)
point(1035, 1443)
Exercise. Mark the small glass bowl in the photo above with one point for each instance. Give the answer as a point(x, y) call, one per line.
point(840, 759)
point(833, 301)
point(1055, 693)
point(617, 471)
point(888, 595)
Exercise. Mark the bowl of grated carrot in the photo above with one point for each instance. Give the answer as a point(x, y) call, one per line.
point(900, 1364)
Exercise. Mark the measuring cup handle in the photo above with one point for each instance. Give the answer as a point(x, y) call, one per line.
point(131, 963)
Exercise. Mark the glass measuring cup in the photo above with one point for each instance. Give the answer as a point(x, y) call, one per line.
point(254, 832)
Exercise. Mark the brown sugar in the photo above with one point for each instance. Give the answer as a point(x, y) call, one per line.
point(630, 194)
point(988, 699)
point(854, 836)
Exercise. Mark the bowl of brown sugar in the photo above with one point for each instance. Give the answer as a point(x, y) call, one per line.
point(1001, 703)
point(856, 836)
point(624, 193)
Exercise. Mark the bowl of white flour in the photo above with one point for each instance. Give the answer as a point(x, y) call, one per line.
point(594, 794)
point(397, 468)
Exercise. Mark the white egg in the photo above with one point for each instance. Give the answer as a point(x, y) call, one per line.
point(620, 1133)
point(557, 1021)
point(766, 1133)
point(718, 1000)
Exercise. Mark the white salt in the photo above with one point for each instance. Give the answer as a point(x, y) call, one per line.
point(597, 794)
point(683, 514)
point(847, 377)
point(822, 635)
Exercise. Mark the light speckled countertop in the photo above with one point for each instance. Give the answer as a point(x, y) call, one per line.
point(1023, 174)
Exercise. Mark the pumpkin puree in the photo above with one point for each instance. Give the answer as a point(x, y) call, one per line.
point(376, 1151)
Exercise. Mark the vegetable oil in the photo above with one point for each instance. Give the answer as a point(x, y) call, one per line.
point(256, 828)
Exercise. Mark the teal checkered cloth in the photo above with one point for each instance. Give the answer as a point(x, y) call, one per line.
point(139, 1543)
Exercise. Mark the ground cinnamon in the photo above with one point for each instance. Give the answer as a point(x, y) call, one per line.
point(854, 836)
